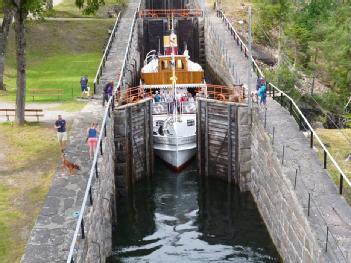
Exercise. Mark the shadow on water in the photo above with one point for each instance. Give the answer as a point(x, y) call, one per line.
point(181, 218)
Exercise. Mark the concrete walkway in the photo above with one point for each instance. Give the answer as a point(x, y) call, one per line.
point(327, 206)
point(53, 232)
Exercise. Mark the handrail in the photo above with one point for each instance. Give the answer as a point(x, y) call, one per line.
point(88, 191)
point(106, 52)
point(221, 14)
point(299, 115)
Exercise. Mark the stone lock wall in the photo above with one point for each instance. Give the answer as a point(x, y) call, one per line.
point(276, 200)
point(216, 66)
point(97, 245)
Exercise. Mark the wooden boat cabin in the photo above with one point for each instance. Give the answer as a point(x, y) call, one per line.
point(159, 71)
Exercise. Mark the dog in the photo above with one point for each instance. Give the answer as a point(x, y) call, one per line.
point(71, 167)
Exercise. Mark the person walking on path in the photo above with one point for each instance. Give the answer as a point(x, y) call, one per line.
point(262, 93)
point(60, 126)
point(92, 139)
point(84, 85)
point(108, 90)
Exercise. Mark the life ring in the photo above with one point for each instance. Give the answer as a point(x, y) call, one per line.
point(220, 97)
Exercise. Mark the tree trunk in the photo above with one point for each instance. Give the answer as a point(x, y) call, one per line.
point(21, 66)
point(4, 31)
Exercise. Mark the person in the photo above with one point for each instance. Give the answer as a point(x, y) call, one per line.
point(108, 90)
point(262, 93)
point(60, 126)
point(84, 85)
point(92, 139)
point(157, 97)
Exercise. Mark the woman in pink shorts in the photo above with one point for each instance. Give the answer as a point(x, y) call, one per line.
point(92, 133)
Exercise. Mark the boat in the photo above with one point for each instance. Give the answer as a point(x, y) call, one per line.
point(174, 81)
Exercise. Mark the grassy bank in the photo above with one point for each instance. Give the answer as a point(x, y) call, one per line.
point(30, 159)
point(58, 54)
point(339, 147)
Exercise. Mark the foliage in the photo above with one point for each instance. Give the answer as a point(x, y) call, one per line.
point(316, 40)
point(285, 79)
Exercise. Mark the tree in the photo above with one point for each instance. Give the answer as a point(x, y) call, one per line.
point(89, 6)
point(21, 10)
point(4, 31)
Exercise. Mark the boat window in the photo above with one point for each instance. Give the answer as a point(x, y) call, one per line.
point(159, 123)
point(180, 64)
point(190, 122)
point(164, 64)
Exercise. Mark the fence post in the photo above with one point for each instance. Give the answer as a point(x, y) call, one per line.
point(326, 240)
point(96, 170)
point(309, 204)
point(101, 148)
point(325, 160)
point(281, 99)
point(273, 92)
point(283, 154)
point(82, 228)
point(341, 184)
point(295, 179)
point(90, 196)
point(311, 144)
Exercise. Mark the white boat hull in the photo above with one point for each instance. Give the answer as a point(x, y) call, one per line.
point(178, 148)
point(176, 159)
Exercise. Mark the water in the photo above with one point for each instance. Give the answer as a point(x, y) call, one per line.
point(180, 218)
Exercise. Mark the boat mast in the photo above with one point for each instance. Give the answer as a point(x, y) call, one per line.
point(173, 78)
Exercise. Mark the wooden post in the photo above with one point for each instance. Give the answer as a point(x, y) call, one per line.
point(198, 136)
point(206, 139)
point(146, 142)
point(229, 138)
point(151, 139)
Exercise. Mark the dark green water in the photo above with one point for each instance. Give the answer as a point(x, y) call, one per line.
point(180, 218)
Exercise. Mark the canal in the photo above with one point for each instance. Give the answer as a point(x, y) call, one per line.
point(183, 218)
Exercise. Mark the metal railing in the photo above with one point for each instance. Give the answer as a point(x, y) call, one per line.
point(287, 102)
point(88, 195)
point(106, 53)
point(275, 92)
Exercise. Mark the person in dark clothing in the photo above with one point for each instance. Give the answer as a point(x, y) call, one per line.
point(60, 126)
point(108, 90)
point(84, 85)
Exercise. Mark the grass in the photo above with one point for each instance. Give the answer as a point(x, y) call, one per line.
point(67, 50)
point(31, 158)
point(339, 148)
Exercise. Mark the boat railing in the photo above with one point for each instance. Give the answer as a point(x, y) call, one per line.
point(226, 93)
point(218, 92)
point(154, 13)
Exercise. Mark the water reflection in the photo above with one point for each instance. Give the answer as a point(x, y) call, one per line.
point(179, 218)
